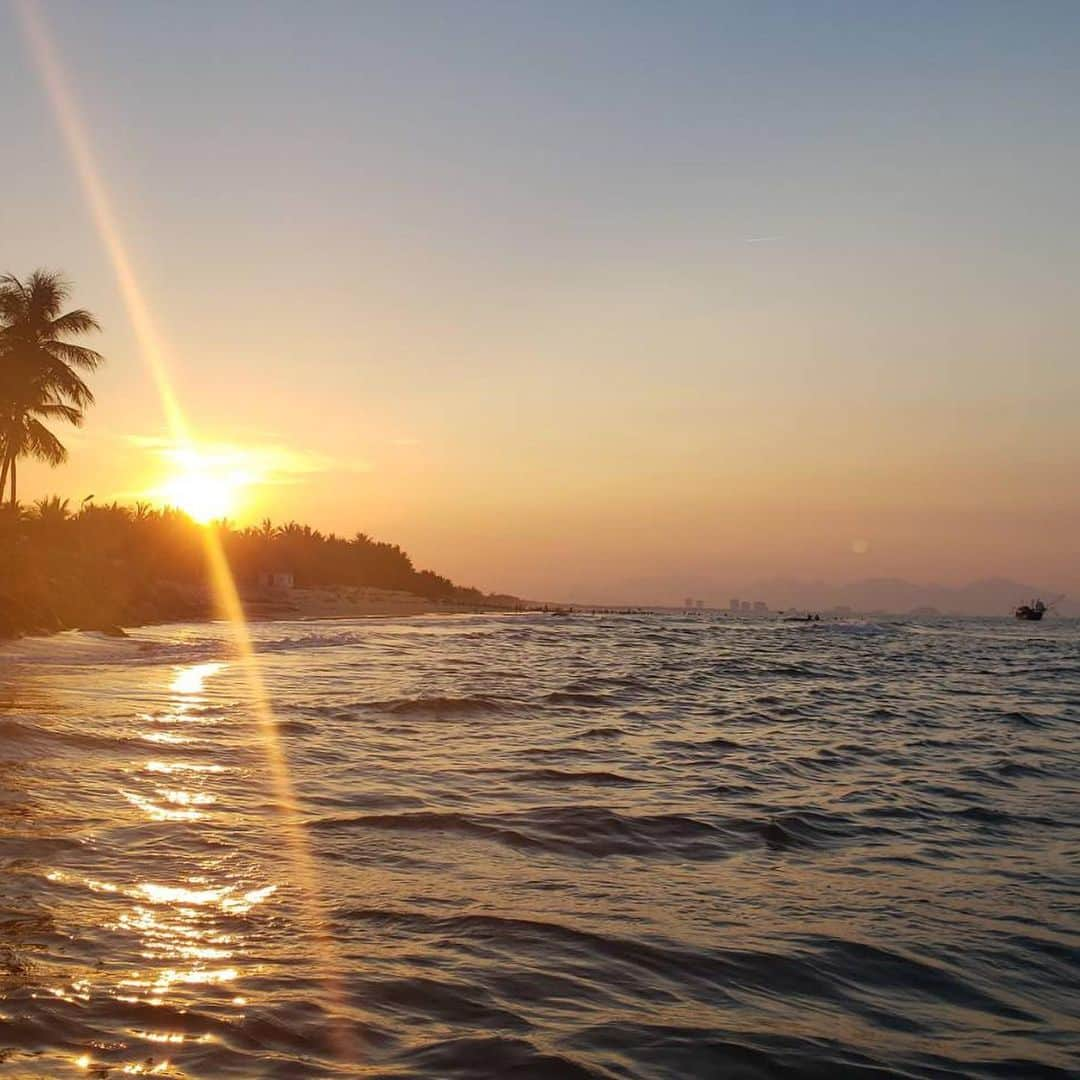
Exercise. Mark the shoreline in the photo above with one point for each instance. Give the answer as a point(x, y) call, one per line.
point(295, 605)
point(328, 602)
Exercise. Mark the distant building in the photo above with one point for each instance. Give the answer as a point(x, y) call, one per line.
point(688, 602)
point(699, 604)
point(760, 607)
point(745, 606)
point(279, 579)
point(733, 604)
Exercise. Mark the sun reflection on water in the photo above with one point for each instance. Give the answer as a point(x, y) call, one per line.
point(187, 932)
point(162, 813)
point(170, 1036)
point(177, 804)
point(190, 679)
point(186, 798)
point(168, 767)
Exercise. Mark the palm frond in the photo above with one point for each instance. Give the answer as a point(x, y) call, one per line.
point(53, 410)
point(74, 322)
point(51, 509)
point(59, 381)
point(41, 443)
point(12, 294)
point(76, 355)
point(46, 292)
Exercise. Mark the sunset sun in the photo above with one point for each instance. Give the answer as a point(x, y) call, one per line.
point(211, 480)
point(202, 495)
point(203, 488)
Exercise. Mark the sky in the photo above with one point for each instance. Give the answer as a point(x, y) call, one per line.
point(583, 302)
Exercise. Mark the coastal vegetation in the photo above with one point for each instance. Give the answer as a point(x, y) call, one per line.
point(103, 566)
point(106, 566)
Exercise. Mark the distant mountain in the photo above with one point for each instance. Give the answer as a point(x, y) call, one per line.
point(991, 596)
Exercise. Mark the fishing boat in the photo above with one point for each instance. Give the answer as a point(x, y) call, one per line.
point(1032, 612)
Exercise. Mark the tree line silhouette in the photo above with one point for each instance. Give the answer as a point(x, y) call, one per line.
point(112, 565)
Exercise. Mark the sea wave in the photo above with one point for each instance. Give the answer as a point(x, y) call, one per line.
point(598, 846)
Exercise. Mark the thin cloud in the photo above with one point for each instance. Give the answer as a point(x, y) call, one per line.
point(262, 464)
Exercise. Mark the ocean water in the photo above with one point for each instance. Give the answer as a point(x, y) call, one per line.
point(532, 846)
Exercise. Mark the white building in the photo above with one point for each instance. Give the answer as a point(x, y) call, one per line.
point(280, 579)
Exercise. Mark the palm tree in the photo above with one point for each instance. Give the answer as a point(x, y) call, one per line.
point(52, 510)
point(50, 518)
point(39, 369)
point(24, 435)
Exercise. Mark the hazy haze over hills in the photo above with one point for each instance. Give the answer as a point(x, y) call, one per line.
point(991, 596)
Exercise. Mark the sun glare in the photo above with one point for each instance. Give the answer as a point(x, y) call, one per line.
point(203, 497)
point(204, 487)
point(214, 480)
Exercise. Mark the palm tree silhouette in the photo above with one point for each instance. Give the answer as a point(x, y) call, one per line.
point(39, 369)
point(52, 510)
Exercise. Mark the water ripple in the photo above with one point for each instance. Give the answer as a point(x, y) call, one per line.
point(615, 846)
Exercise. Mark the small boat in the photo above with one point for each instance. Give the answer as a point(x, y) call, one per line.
point(1032, 612)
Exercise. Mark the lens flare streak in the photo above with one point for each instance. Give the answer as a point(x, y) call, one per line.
point(154, 355)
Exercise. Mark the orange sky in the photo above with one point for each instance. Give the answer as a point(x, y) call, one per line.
point(708, 296)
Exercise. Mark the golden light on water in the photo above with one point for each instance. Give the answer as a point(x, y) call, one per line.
point(192, 929)
point(156, 812)
point(190, 679)
point(164, 737)
point(169, 768)
point(206, 493)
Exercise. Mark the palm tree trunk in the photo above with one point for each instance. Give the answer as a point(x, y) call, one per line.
point(14, 500)
point(3, 478)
